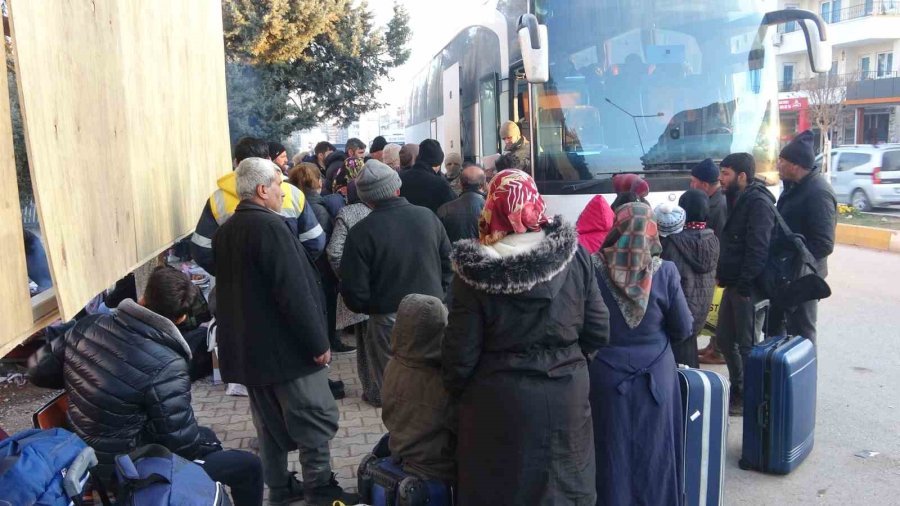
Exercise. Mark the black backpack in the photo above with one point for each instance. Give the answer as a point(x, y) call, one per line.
point(791, 277)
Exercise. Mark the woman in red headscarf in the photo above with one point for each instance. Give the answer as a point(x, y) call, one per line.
point(594, 223)
point(525, 312)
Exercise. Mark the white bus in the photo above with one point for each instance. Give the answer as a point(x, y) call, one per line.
point(643, 86)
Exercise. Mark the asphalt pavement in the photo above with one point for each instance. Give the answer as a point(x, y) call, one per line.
point(858, 396)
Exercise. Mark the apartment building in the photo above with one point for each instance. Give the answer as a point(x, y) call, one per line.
point(865, 35)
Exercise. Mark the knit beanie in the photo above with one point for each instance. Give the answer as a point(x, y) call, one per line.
point(622, 182)
point(377, 182)
point(669, 219)
point(378, 144)
point(430, 153)
point(510, 129)
point(696, 206)
point(641, 187)
point(800, 150)
point(706, 171)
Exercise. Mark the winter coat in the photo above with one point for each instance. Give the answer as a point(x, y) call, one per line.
point(522, 151)
point(424, 187)
point(416, 408)
point(221, 206)
point(460, 216)
point(270, 301)
point(744, 245)
point(333, 164)
point(397, 250)
point(809, 208)
point(636, 401)
point(323, 216)
point(695, 253)
point(346, 219)
point(514, 357)
point(718, 213)
point(128, 384)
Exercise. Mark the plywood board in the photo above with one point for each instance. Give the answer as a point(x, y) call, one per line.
point(15, 302)
point(126, 121)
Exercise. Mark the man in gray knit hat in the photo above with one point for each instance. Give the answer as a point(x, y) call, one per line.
point(397, 250)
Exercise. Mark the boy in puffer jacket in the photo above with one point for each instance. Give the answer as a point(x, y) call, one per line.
point(417, 409)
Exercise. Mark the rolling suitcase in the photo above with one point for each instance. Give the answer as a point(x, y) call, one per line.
point(704, 396)
point(381, 481)
point(779, 404)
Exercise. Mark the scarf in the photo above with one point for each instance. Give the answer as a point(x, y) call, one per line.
point(513, 206)
point(695, 225)
point(629, 258)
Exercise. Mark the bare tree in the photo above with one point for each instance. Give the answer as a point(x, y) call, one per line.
point(827, 94)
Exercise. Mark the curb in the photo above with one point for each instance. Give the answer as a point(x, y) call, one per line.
point(868, 237)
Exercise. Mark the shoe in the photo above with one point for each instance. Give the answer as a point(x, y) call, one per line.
point(714, 358)
point(371, 402)
point(339, 348)
point(290, 493)
point(327, 495)
point(337, 389)
point(736, 406)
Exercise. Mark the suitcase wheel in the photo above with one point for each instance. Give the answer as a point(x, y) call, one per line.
point(412, 492)
point(746, 466)
point(364, 479)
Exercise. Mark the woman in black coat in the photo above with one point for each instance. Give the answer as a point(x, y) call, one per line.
point(525, 311)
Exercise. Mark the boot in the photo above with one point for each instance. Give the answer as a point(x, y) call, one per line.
point(326, 495)
point(337, 389)
point(290, 493)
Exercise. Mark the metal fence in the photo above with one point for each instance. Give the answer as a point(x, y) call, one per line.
point(869, 8)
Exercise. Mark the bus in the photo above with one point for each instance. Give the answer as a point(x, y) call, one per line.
point(601, 87)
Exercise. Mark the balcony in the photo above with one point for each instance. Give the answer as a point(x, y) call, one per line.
point(851, 26)
point(860, 87)
point(874, 8)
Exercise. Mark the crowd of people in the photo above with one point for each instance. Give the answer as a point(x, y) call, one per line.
point(518, 357)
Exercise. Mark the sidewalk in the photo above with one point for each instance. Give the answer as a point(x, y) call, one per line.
point(360, 424)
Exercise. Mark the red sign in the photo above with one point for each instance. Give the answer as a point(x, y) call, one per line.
point(793, 104)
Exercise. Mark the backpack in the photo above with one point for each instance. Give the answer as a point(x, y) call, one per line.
point(790, 277)
point(34, 464)
point(154, 476)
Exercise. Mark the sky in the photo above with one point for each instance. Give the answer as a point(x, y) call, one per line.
point(433, 23)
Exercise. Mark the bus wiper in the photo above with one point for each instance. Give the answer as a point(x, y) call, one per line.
point(583, 185)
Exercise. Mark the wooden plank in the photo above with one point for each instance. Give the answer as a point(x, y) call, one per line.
point(126, 121)
point(15, 302)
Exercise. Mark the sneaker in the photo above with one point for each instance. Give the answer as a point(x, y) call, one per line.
point(337, 389)
point(339, 348)
point(736, 406)
point(290, 493)
point(327, 495)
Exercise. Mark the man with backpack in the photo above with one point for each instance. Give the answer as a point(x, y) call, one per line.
point(809, 208)
point(127, 379)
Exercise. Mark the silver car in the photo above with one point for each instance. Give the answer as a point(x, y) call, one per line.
point(866, 176)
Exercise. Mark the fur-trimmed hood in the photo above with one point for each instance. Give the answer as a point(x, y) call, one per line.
point(517, 274)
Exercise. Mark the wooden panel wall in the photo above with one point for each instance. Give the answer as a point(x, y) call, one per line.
point(15, 306)
point(126, 123)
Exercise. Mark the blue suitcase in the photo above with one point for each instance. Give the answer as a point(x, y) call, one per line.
point(704, 397)
point(381, 481)
point(779, 405)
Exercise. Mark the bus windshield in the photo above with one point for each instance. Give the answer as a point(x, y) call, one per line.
point(651, 85)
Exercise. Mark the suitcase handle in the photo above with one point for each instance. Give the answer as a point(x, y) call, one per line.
point(761, 307)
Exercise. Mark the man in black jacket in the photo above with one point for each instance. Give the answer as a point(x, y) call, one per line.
point(705, 177)
point(397, 250)
point(273, 338)
point(128, 384)
point(423, 184)
point(744, 251)
point(460, 217)
point(809, 208)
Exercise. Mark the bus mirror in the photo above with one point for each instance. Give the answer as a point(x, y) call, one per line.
point(535, 49)
point(814, 29)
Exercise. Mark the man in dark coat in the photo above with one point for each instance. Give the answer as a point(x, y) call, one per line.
point(423, 184)
point(141, 392)
point(460, 217)
point(273, 338)
point(396, 250)
point(333, 164)
point(418, 411)
point(743, 253)
point(695, 252)
point(322, 151)
point(705, 177)
point(809, 208)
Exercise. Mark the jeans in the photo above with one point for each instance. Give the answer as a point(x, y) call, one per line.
point(240, 471)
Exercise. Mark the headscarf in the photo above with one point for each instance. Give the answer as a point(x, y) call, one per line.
point(513, 205)
point(629, 258)
point(348, 172)
point(594, 223)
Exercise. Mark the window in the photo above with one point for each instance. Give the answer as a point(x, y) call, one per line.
point(891, 161)
point(489, 116)
point(787, 76)
point(831, 11)
point(885, 65)
point(850, 161)
point(865, 67)
point(834, 68)
point(869, 7)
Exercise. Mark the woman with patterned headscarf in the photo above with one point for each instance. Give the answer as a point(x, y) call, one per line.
point(525, 312)
point(635, 397)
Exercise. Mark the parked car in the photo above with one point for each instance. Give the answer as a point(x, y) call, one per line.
point(866, 176)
